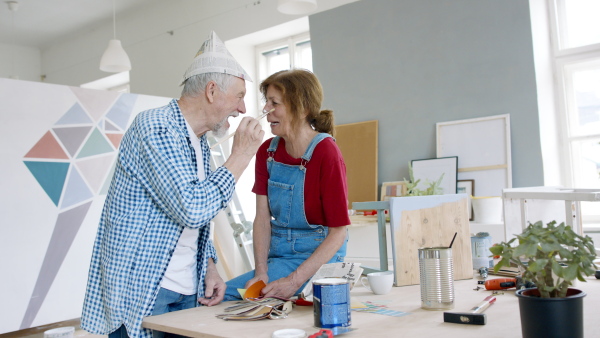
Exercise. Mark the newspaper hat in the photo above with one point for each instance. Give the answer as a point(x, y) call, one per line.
point(213, 57)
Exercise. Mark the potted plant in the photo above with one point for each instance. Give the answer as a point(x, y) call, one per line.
point(551, 257)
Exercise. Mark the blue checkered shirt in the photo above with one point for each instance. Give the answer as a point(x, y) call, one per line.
point(154, 193)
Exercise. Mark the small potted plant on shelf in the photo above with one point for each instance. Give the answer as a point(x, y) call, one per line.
point(551, 257)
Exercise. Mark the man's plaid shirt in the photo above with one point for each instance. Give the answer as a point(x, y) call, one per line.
point(154, 193)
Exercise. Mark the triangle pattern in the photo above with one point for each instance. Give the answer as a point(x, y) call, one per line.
point(96, 102)
point(119, 113)
point(72, 137)
point(94, 170)
point(66, 228)
point(76, 190)
point(51, 176)
point(110, 127)
point(75, 115)
point(108, 180)
point(115, 139)
point(47, 147)
point(96, 144)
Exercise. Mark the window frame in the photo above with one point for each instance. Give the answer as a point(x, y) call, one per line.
point(261, 63)
point(566, 61)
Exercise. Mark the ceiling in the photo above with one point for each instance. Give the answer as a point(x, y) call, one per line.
point(39, 23)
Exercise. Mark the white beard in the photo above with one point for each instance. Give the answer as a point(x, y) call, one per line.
point(219, 130)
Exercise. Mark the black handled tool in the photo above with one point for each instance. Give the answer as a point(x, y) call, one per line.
point(474, 316)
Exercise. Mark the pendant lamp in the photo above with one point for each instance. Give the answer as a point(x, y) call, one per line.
point(114, 59)
point(296, 7)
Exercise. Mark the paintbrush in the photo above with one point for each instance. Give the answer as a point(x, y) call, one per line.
point(265, 113)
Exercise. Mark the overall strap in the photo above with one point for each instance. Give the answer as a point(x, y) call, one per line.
point(272, 148)
point(313, 144)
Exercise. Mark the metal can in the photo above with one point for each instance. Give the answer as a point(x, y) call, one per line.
point(480, 251)
point(331, 303)
point(436, 278)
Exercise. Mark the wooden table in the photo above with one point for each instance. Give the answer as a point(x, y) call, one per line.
point(503, 319)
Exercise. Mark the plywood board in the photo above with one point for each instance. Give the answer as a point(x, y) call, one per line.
point(358, 143)
point(429, 221)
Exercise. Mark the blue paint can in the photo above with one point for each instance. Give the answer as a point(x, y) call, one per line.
point(480, 251)
point(331, 303)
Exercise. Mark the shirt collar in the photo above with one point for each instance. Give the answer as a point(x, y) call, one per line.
point(178, 115)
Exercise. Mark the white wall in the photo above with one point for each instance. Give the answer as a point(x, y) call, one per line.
point(20, 62)
point(547, 100)
point(158, 58)
point(46, 242)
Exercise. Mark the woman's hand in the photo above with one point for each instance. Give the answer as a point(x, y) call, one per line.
point(258, 276)
point(285, 288)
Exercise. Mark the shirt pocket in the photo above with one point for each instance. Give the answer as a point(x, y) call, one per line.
point(280, 202)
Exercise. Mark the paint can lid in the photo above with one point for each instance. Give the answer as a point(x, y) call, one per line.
point(331, 281)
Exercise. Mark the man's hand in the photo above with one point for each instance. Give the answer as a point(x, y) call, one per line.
point(214, 286)
point(248, 138)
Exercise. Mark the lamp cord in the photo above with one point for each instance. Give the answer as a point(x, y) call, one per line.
point(114, 22)
point(14, 52)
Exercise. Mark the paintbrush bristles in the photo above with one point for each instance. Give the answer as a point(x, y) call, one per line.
point(231, 135)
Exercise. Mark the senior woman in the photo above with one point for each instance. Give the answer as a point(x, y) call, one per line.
point(300, 187)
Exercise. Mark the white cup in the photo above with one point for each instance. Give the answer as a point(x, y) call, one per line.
point(380, 283)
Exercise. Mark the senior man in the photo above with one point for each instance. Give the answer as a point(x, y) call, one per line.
point(153, 252)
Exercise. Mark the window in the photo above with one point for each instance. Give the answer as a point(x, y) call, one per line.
point(576, 40)
point(291, 52)
point(577, 22)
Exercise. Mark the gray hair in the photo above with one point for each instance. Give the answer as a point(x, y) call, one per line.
point(196, 84)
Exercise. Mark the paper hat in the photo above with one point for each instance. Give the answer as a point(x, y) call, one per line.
point(213, 57)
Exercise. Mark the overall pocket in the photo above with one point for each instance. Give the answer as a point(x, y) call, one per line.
point(280, 202)
point(308, 244)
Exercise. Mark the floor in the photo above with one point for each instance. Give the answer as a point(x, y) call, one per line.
point(38, 332)
point(79, 333)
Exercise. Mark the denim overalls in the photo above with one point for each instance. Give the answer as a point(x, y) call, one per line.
point(293, 239)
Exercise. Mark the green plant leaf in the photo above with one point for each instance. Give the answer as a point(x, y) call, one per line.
point(550, 246)
point(537, 265)
point(557, 269)
point(570, 272)
point(527, 249)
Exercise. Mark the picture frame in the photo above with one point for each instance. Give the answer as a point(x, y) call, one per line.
point(392, 189)
point(431, 169)
point(467, 187)
point(484, 148)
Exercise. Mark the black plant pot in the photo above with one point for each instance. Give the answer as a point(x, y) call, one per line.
point(551, 317)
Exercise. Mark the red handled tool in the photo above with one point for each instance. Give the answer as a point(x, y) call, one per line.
point(506, 283)
point(323, 333)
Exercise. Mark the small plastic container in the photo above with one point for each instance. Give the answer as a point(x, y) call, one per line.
point(61, 332)
point(289, 333)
